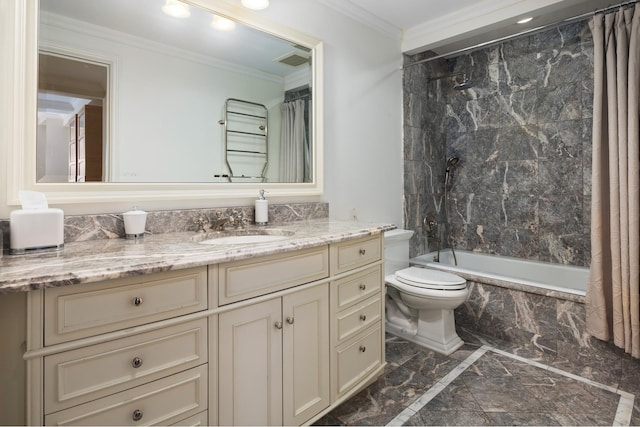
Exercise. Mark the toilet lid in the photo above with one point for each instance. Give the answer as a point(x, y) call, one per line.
point(430, 279)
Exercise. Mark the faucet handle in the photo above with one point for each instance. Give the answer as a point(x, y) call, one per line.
point(239, 220)
point(200, 222)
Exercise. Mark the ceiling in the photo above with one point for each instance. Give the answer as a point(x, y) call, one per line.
point(444, 26)
point(144, 20)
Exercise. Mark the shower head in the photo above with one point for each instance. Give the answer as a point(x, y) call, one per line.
point(465, 84)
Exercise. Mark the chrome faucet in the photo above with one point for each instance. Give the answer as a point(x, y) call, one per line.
point(219, 221)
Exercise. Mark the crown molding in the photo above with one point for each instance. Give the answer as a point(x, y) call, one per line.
point(468, 21)
point(363, 16)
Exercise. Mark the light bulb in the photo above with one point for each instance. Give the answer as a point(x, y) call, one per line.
point(255, 4)
point(222, 24)
point(176, 8)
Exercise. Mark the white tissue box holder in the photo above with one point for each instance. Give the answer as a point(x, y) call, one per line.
point(36, 230)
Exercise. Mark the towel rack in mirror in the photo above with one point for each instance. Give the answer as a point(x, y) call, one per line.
point(245, 139)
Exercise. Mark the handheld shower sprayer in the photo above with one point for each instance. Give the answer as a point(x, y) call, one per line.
point(451, 162)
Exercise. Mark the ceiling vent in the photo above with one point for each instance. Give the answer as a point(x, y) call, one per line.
point(293, 59)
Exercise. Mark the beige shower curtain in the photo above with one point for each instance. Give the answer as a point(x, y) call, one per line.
point(613, 295)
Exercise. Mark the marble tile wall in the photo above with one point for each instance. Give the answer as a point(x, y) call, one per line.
point(111, 226)
point(523, 136)
point(553, 326)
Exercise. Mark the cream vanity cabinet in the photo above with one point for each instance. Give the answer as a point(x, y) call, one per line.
point(122, 352)
point(270, 340)
point(273, 355)
point(284, 360)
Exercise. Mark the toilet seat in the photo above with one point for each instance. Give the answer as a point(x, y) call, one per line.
point(430, 279)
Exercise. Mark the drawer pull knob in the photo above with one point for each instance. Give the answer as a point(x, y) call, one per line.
point(363, 317)
point(137, 415)
point(363, 286)
point(363, 348)
point(278, 325)
point(137, 301)
point(363, 251)
point(136, 362)
point(290, 320)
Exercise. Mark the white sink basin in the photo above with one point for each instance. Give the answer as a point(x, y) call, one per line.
point(244, 237)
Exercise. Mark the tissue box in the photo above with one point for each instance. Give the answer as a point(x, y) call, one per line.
point(36, 229)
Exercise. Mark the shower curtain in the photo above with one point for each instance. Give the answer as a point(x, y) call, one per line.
point(612, 302)
point(293, 142)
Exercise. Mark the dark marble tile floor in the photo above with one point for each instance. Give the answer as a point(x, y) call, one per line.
point(493, 383)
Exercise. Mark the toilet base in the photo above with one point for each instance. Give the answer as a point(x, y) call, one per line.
point(436, 331)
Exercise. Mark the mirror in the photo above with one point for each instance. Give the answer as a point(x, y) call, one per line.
point(21, 89)
point(130, 94)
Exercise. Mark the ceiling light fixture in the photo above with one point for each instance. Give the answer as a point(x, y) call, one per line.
point(222, 23)
point(525, 20)
point(255, 4)
point(176, 8)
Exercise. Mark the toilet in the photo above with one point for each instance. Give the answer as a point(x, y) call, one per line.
point(419, 303)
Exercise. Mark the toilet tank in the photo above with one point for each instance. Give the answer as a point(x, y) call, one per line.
point(396, 250)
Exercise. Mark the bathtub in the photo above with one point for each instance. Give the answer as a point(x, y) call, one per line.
point(543, 278)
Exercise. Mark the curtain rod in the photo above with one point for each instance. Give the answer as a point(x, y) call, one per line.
point(523, 33)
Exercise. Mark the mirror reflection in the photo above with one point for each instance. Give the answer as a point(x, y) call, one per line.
point(129, 93)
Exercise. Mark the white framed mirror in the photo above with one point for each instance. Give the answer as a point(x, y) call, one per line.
point(40, 30)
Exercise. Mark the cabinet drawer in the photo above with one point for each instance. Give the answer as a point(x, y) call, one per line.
point(200, 419)
point(74, 312)
point(92, 372)
point(244, 279)
point(355, 253)
point(357, 287)
point(357, 358)
point(359, 317)
point(164, 401)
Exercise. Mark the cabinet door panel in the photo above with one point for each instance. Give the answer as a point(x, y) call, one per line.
point(250, 365)
point(305, 355)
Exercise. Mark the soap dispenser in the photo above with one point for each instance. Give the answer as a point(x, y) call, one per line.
point(262, 210)
point(134, 223)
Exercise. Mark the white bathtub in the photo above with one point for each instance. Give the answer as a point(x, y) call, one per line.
point(531, 276)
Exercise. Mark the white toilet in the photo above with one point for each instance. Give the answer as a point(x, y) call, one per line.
point(420, 302)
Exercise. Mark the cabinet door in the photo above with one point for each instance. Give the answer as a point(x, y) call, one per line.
point(250, 365)
point(305, 354)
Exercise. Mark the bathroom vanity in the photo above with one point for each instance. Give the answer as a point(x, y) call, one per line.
point(170, 331)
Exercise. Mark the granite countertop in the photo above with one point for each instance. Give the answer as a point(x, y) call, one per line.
point(96, 260)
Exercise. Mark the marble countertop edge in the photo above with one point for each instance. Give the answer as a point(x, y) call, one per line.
point(98, 260)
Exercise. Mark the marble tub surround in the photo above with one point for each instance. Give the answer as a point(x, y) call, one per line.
point(523, 136)
point(96, 260)
point(549, 326)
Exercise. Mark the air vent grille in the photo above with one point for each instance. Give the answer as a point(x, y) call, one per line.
point(293, 59)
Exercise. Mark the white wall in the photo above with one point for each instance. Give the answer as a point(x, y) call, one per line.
point(53, 151)
point(362, 113)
